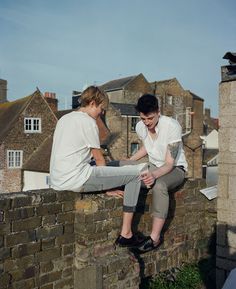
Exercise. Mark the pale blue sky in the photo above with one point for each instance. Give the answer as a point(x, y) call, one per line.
point(60, 46)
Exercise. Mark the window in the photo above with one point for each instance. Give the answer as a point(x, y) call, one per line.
point(169, 99)
point(14, 158)
point(134, 148)
point(32, 124)
point(188, 118)
point(134, 121)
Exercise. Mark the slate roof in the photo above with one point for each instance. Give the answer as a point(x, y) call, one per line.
point(125, 109)
point(117, 84)
point(196, 96)
point(9, 112)
point(39, 161)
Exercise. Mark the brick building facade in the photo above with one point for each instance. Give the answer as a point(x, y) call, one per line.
point(24, 125)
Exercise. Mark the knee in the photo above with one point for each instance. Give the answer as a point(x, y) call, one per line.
point(160, 187)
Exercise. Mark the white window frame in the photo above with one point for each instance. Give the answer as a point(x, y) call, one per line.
point(134, 119)
point(169, 99)
point(132, 152)
point(188, 120)
point(29, 123)
point(14, 159)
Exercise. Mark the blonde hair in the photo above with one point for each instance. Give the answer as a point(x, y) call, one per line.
point(93, 93)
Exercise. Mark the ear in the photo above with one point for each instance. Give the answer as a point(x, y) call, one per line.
point(92, 103)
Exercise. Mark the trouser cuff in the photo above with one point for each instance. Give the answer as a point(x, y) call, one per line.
point(129, 209)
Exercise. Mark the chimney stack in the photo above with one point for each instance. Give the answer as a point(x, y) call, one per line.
point(51, 100)
point(3, 91)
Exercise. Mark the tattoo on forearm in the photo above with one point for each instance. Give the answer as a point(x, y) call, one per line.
point(174, 149)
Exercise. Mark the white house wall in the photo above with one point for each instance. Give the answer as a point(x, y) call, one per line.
point(35, 180)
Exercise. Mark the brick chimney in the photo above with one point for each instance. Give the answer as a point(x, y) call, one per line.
point(51, 100)
point(3, 91)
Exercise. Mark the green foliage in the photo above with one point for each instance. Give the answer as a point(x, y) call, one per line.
point(187, 277)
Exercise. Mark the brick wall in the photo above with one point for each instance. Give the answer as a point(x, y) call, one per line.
point(226, 203)
point(52, 240)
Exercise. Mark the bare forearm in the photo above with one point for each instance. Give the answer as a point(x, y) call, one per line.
point(163, 170)
point(139, 154)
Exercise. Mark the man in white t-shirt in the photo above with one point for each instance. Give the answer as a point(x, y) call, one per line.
point(162, 142)
point(75, 141)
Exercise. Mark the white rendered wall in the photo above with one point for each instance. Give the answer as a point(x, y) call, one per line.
point(35, 181)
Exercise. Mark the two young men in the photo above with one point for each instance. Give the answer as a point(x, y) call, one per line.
point(76, 140)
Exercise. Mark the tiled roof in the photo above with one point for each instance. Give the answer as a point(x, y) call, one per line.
point(125, 109)
point(39, 161)
point(117, 83)
point(9, 112)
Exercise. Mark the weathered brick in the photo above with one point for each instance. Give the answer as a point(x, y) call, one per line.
point(30, 272)
point(26, 284)
point(49, 220)
point(17, 238)
point(47, 286)
point(65, 217)
point(25, 249)
point(67, 249)
point(5, 204)
point(48, 254)
point(26, 224)
point(68, 228)
point(4, 253)
point(46, 267)
point(5, 280)
point(4, 228)
point(68, 206)
point(66, 196)
point(22, 263)
point(64, 283)
point(49, 197)
point(50, 277)
point(48, 209)
point(21, 201)
point(21, 213)
point(49, 232)
point(65, 239)
point(48, 243)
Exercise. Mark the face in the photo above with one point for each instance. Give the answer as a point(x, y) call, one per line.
point(97, 110)
point(150, 120)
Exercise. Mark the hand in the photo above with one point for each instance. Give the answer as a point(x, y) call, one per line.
point(115, 193)
point(148, 178)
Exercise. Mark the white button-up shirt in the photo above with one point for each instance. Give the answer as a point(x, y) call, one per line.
point(168, 131)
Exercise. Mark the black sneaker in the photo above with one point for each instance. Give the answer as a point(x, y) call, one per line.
point(148, 245)
point(133, 242)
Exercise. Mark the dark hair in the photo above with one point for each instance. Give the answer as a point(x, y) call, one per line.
point(147, 103)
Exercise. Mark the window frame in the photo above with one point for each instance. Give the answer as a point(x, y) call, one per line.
point(132, 125)
point(29, 127)
point(132, 152)
point(14, 161)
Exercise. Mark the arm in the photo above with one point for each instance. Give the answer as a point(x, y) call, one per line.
point(139, 154)
point(98, 156)
point(171, 154)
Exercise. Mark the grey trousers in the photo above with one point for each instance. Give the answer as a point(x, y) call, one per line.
point(108, 177)
point(161, 187)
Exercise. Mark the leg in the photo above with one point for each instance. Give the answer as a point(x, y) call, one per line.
point(161, 200)
point(160, 205)
point(104, 178)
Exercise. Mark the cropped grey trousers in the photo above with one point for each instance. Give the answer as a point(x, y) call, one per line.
point(161, 188)
point(108, 177)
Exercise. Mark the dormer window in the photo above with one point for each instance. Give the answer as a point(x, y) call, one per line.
point(32, 125)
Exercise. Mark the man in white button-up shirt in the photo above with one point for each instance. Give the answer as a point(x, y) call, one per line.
point(162, 142)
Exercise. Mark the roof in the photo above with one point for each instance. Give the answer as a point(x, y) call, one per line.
point(125, 109)
point(39, 161)
point(196, 97)
point(10, 111)
point(60, 113)
point(117, 84)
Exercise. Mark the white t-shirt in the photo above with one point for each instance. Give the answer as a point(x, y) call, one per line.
point(168, 131)
point(75, 134)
